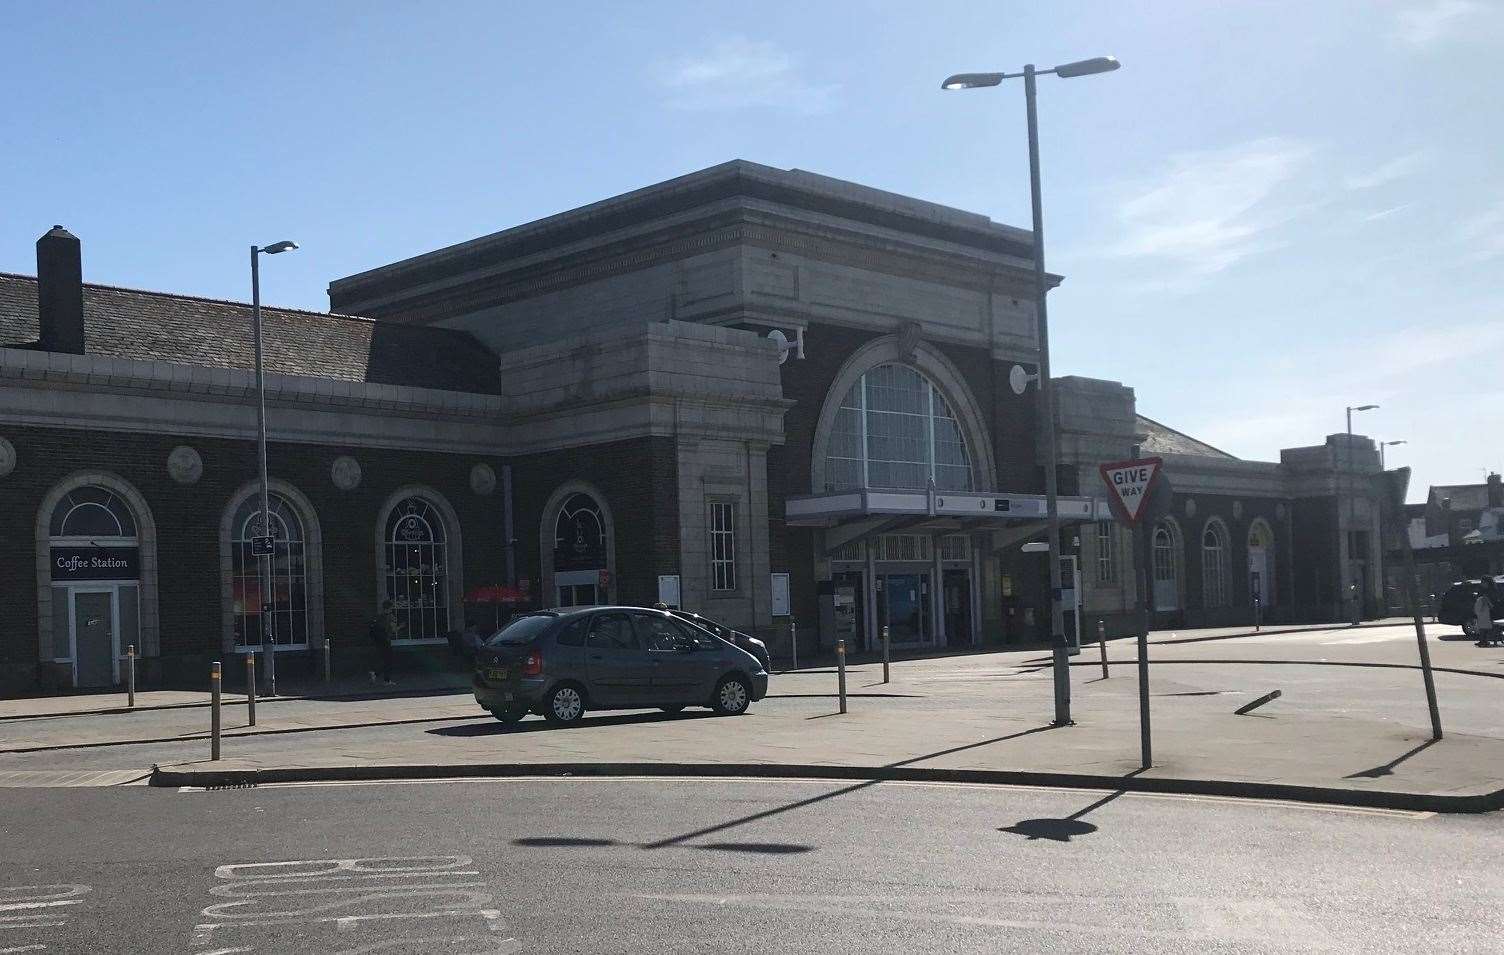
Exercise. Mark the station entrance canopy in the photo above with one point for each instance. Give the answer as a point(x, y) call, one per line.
point(852, 516)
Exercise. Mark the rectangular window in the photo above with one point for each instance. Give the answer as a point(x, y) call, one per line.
point(1107, 552)
point(722, 545)
point(954, 547)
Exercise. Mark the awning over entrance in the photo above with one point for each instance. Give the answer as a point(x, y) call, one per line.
point(851, 516)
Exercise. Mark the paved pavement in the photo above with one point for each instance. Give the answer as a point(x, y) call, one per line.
point(670, 866)
point(1356, 729)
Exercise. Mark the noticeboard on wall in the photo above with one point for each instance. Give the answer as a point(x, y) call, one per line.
point(668, 590)
point(781, 604)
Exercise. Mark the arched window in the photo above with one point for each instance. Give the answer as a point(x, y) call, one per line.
point(92, 511)
point(287, 595)
point(417, 569)
point(1214, 565)
point(1166, 571)
point(1261, 562)
point(580, 551)
point(894, 429)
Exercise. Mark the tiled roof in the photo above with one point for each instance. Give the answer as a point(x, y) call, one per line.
point(1465, 497)
point(181, 329)
point(1163, 439)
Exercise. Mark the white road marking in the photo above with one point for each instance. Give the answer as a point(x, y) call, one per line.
point(12, 906)
point(22, 948)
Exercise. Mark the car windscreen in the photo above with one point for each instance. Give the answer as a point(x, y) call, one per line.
point(521, 630)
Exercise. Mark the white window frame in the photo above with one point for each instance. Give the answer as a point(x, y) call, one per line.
point(1107, 552)
point(931, 394)
point(721, 529)
point(239, 539)
point(1213, 567)
point(388, 570)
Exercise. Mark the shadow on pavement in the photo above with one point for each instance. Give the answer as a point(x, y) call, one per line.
point(1387, 769)
point(571, 842)
point(1061, 830)
point(834, 793)
point(541, 725)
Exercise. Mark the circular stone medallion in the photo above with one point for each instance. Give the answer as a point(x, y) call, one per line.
point(345, 473)
point(482, 479)
point(184, 465)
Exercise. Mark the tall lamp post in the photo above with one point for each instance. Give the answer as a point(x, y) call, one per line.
point(1382, 446)
point(1352, 513)
point(967, 81)
point(264, 547)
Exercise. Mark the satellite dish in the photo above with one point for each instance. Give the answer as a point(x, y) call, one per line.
point(778, 338)
point(1018, 379)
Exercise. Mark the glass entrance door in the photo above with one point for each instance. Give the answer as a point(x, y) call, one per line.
point(904, 606)
point(957, 608)
point(94, 635)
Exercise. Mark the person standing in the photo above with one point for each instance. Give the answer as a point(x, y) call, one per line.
point(383, 632)
point(1483, 613)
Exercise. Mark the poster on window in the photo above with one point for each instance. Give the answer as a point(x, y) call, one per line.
point(781, 605)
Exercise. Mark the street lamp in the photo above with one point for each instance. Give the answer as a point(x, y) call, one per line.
point(967, 81)
point(1387, 444)
point(264, 547)
point(1351, 513)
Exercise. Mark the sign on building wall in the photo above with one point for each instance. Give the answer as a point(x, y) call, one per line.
point(668, 590)
point(781, 604)
point(95, 563)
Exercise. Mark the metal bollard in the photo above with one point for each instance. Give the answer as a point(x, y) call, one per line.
point(794, 642)
point(328, 671)
point(250, 686)
point(1102, 645)
point(130, 675)
point(1258, 613)
point(271, 668)
point(885, 653)
point(841, 669)
point(1146, 747)
point(214, 711)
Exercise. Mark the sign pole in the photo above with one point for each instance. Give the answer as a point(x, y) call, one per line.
point(1130, 484)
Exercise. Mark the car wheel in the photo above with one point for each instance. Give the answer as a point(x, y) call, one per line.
point(509, 717)
point(672, 708)
point(565, 705)
point(732, 696)
point(1470, 628)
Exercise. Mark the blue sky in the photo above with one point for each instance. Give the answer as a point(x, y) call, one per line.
point(1272, 211)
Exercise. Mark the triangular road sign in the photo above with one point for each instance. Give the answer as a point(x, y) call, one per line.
point(1128, 485)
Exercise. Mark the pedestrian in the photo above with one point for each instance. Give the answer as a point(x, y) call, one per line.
point(383, 632)
point(1483, 613)
point(472, 639)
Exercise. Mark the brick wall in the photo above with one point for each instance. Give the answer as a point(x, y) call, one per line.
point(188, 520)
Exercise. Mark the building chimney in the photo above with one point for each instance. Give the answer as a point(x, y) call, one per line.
point(60, 292)
point(1495, 491)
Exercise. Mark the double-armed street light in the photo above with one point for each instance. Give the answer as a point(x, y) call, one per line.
point(968, 81)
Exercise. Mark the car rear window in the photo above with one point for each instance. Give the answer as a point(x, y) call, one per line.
point(520, 631)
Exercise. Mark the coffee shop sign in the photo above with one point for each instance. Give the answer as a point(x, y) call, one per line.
point(95, 563)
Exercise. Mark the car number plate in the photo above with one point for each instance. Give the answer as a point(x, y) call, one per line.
point(496, 673)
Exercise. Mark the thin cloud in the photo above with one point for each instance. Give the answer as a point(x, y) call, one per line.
point(1483, 235)
point(1397, 168)
point(1209, 210)
point(1428, 24)
point(737, 73)
point(1386, 213)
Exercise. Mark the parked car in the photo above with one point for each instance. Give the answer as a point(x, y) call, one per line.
point(1456, 606)
point(561, 663)
point(746, 641)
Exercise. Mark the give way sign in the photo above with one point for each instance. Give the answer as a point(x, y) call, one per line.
point(1129, 483)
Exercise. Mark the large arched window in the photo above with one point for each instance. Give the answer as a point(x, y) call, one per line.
point(1166, 569)
point(894, 429)
point(1214, 565)
point(285, 598)
point(416, 567)
point(1261, 562)
point(580, 551)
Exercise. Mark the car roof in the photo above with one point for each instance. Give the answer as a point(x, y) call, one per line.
point(581, 611)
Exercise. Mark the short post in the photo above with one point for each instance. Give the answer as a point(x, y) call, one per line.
point(794, 641)
point(1258, 613)
point(328, 671)
point(270, 648)
point(1146, 749)
point(885, 653)
point(841, 670)
point(1102, 645)
point(250, 686)
point(214, 711)
point(130, 675)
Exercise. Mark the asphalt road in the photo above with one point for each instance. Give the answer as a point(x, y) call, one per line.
point(661, 865)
